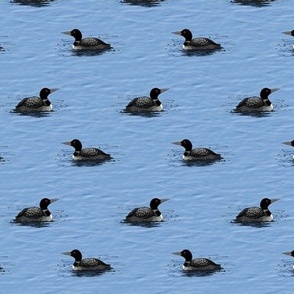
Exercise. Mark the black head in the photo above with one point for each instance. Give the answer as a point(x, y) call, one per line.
point(76, 254)
point(76, 34)
point(186, 34)
point(44, 93)
point(44, 203)
point(265, 202)
point(154, 203)
point(154, 93)
point(186, 254)
point(76, 144)
point(265, 92)
point(186, 144)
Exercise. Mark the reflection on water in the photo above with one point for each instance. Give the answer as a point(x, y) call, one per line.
point(148, 114)
point(36, 3)
point(191, 274)
point(200, 52)
point(253, 224)
point(143, 224)
point(258, 114)
point(146, 3)
point(37, 114)
point(81, 163)
point(90, 52)
point(256, 3)
point(200, 162)
point(33, 224)
point(88, 273)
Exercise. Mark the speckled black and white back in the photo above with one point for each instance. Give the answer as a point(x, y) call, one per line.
point(33, 104)
point(143, 214)
point(144, 104)
point(90, 43)
point(254, 214)
point(198, 264)
point(201, 43)
point(253, 104)
point(90, 264)
point(200, 154)
point(90, 154)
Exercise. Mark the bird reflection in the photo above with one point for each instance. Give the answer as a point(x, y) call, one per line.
point(256, 3)
point(36, 3)
point(146, 3)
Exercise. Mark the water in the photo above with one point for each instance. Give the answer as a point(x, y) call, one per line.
point(94, 199)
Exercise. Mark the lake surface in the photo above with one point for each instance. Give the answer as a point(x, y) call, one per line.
point(94, 199)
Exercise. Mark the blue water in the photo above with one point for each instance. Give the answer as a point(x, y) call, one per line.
point(93, 90)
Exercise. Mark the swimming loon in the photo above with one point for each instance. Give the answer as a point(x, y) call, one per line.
point(257, 214)
point(257, 104)
point(147, 214)
point(197, 153)
point(87, 264)
point(36, 214)
point(197, 264)
point(89, 43)
point(147, 104)
point(36, 104)
point(86, 153)
point(291, 33)
point(197, 43)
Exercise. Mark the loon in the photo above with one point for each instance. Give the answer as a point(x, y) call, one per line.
point(86, 153)
point(291, 253)
point(147, 104)
point(291, 33)
point(257, 214)
point(87, 264)
point(147, 214)
point(36, 104)
point(37, 214)
point(257, 104)
point(197, 264)
point(197, 153)
point(290, 143)
point(197, 43)
point(86, 43)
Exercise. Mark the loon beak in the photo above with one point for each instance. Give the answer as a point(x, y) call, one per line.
point(53, 200)
point(177, 33)
point(66, 253)
point(67, 33)
point(53, 90)
point(66, 143)
point(163, 90)
point(288, 253)
point(274, 200)
point(163, 200)
point(177, 253)
point(287, 33)
point(177, 143)
point(274, 90)
point(288, 143)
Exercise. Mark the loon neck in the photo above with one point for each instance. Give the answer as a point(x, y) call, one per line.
point(156, 212)
point(157, 102)
point(267, 212)
point(267, 102)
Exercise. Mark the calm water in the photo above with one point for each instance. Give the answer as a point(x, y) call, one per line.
point(94, 89)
